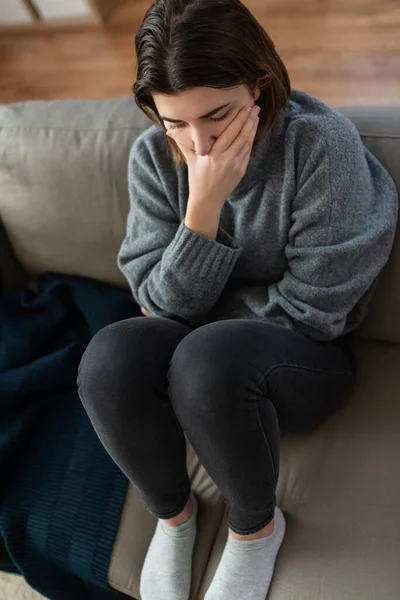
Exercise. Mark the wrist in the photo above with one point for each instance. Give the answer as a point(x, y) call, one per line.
point(203, 219)
point(198, 205)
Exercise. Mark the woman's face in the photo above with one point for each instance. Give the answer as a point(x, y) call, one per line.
point(186, 117)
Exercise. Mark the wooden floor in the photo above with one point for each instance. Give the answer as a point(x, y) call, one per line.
point(345, 52)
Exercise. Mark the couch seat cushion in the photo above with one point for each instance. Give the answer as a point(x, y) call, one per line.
point(338, 487)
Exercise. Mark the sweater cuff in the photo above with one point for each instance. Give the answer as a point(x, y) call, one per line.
point(223, 248)
point(192, 251)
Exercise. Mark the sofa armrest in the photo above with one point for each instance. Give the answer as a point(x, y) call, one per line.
point(11, 270)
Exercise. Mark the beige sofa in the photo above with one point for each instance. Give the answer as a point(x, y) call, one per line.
point(63, 205)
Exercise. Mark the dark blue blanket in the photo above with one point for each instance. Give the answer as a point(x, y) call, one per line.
point(61, 495)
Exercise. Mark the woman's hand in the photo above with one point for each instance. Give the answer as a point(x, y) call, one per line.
point(144, 311)
point(214, 176)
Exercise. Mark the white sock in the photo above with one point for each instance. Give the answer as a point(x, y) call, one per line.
point(167, 569)
point(246, 566)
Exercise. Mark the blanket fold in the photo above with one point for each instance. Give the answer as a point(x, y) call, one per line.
point(61, 494)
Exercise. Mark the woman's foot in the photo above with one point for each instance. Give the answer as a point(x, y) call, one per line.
point(167, 568)
point(247, 565)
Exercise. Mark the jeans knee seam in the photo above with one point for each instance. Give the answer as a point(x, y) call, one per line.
point(268, 445)
point(304, 368)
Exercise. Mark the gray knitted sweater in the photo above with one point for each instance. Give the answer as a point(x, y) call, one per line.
point(301, 240)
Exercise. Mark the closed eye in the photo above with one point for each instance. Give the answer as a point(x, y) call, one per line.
point(211, 118)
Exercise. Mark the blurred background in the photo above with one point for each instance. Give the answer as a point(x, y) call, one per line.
point(345, 52)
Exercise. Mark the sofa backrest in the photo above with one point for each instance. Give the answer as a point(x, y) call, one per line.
point(63, 183)
point(64, 198)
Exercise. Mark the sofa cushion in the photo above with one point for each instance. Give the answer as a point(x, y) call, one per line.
point(63, 180)
point(11, 270)
point(339, 490)
point(64, 198)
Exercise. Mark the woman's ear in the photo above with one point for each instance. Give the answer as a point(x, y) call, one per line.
point(255, 92)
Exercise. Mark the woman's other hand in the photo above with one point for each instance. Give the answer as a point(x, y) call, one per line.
point(144, 311)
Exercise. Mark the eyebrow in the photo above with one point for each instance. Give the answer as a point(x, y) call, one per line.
point(209, 114)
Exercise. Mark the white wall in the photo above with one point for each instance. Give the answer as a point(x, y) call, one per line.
point(50, 9)
point(14, 11)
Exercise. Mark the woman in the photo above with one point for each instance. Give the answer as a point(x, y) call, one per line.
point(254, 240)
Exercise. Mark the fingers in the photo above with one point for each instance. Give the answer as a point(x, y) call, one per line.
point(245, 150)
point(231, 133)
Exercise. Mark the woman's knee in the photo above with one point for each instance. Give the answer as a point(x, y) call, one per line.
point(128, 353)
point(108, 350)
point(209, 367)
point(298, 380)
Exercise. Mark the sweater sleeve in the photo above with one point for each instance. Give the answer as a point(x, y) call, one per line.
point(172, 271)
point(343, 225)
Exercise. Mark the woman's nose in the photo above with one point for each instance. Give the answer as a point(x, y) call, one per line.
point(200, 143)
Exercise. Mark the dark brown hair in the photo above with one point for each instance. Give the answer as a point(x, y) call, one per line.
point(182, 44)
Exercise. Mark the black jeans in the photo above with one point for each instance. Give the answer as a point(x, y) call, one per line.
point(232, 386)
